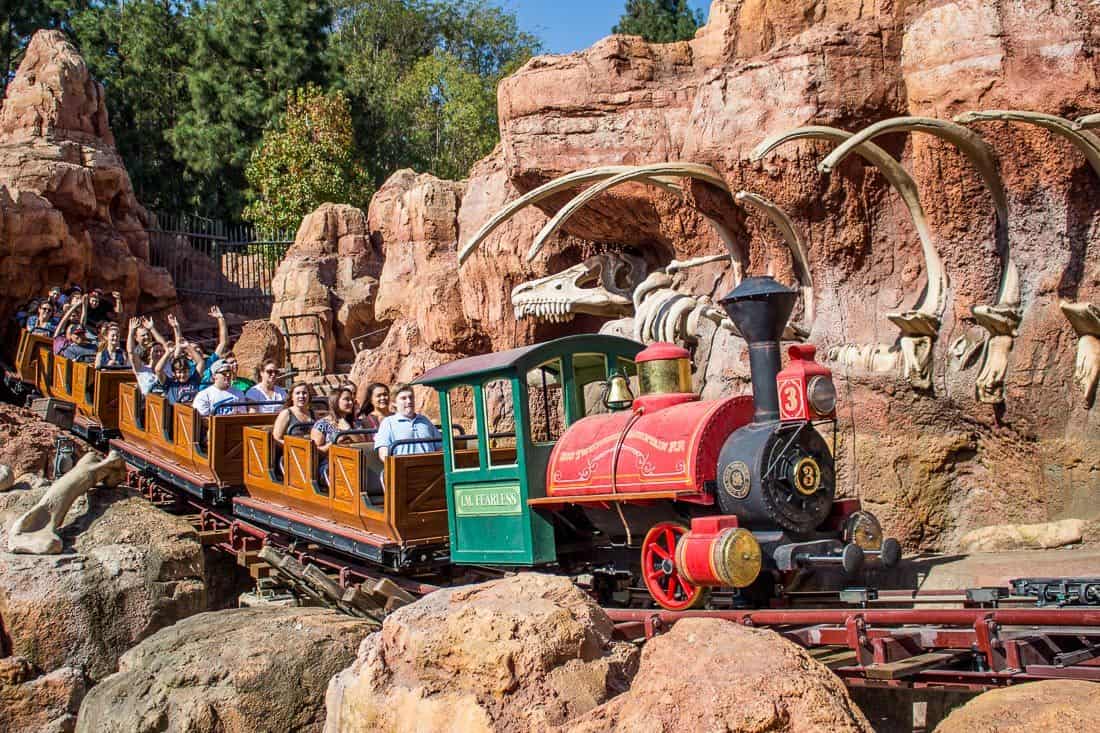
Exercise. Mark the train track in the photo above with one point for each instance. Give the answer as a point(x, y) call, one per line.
point(968, 649)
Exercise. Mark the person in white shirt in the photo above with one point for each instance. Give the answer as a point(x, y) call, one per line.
point(265, 389)
point(219, 392)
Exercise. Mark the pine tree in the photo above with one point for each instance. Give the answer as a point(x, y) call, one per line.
point(137, 50)
point(249, 54)
point(659, 21)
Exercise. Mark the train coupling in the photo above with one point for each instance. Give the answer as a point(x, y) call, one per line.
point(850, 556)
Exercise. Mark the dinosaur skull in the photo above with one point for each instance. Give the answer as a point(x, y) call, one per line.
point(601, 286)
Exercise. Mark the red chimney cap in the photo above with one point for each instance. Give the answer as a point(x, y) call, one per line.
point(661, 351)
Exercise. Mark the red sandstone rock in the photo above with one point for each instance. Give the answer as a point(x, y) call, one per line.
point(1049, 705)
point(331, 270)
point(525, 653)
point(258, 342)
point(713, 675)
point(67, 209)
point(38, 703)
point(27, 442)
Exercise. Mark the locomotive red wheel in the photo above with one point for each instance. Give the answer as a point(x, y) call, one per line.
point(663, 581)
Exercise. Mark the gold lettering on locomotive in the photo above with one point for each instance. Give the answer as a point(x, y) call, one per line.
point(791, 401)
point(807, 476)
point(736, 480)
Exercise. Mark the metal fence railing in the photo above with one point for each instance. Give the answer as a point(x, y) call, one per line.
point(212, 263)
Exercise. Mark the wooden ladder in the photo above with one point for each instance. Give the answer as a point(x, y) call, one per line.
point(312, 332)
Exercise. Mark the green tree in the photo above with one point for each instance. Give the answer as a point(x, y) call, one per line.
point(138, 51)
point(421, 77)
point(307, 159)
point(659, 21)
point(248, 55)
point(449, 115)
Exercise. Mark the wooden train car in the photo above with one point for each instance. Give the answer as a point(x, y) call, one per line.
point(94, 393)
point(203, 456)
point(400, 527)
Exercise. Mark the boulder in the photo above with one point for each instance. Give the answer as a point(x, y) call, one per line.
point(709, 674)
point(27, 441)
point(258, 342)
point(31, 702)
point(67, 207)
point(237, 671)
point(524, 653)
point(1048, 705)
point(331, 271)
point(126, 569)
point(1043, 536)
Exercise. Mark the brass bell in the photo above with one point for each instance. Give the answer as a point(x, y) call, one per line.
point(618, 395)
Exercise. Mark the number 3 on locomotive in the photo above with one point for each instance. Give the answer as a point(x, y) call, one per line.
point(790, 398)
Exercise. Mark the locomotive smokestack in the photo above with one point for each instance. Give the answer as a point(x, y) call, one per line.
point(760, 307)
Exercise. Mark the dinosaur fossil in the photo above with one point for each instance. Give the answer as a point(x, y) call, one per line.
point(35, 532)
point(1001, 319)
point(611, 285)
point(920, 325)
point(662, 175)
point(1085, 319)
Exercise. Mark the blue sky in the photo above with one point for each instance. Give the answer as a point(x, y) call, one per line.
point(572, 25)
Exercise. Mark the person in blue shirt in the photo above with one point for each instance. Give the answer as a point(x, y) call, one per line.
point(406, 424)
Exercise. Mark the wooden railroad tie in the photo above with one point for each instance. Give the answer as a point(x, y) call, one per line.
point(916, 664)
point(210, 537)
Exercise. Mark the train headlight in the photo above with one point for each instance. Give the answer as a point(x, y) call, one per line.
point(822, 395)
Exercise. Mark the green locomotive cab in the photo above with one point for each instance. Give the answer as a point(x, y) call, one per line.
point(515, 405)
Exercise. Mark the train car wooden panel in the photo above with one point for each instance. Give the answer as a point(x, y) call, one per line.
point(350, 510)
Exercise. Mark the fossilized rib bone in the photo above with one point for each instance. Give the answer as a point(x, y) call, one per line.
point(1082, 139)
point(640, 173)
point(35, 532)
point(599, 286)
point(595, 174)
point(919, 326)
point(1001, 319)
point(793, 237)
point(1085, 319)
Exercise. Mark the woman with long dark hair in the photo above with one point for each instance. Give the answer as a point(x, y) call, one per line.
point(377, 407)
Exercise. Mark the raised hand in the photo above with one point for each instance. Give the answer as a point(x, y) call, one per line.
point(134, 323)
point(173, 321)
point(216, 312)
point(147, 321)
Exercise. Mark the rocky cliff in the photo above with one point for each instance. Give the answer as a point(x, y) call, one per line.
point(67, 208)
point(934, 460)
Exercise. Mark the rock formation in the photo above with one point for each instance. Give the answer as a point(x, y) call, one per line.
point(237, 671)
point(126, 570)
point(330, 271)
point(26, 441)
point(1047, 705)
point(933, 463)
point(38, 703)
point(258, 342)
point(67, 207)
point(708, 674)
point(525, 653)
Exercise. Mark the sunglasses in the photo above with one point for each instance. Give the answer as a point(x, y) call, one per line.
point(270, 371)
